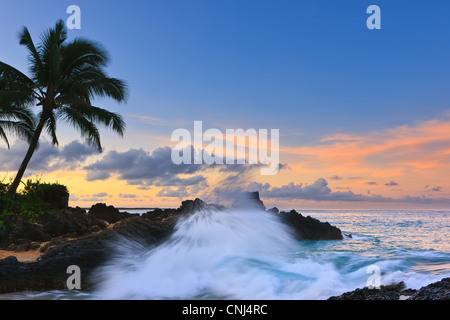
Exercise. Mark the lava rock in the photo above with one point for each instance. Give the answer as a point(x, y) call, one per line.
point(436, 291)
point(308, 228)
point(107, 213)
point(248, 200)
point(389, 292)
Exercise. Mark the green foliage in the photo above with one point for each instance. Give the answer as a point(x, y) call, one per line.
point(35, 199)
point(53, 194)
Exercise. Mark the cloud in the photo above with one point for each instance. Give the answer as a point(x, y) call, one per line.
point(371, 183)
point(46, 158)
point(139, 167)
point(100, 195)
point(433, 189)
point(76, 152)
point(180, 192)
point(319, 191)
point(146, 119)
point(10, 159)
point(422, 148)
point(335, 177)
point(127, 196)
point(97, 175)
point(176, 181)
point(145, 169)
point(391, 184)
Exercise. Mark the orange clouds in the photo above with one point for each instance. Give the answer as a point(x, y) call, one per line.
point(417, 155)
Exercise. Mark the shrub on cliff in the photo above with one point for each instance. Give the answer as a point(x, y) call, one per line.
point(35, 199)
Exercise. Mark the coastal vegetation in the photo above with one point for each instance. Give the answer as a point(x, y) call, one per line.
point(34, 199)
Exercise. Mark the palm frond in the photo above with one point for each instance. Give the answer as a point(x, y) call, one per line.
point(93, 82)
point(111, 120)
point(3, 135)
point(13, 80)
point(50, 52)
point(88, 130)
point(81, 53)
point(33, 55)
point(16, 128)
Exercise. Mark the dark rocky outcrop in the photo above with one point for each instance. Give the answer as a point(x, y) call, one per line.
point(90, 249)
point(308, 228)
point(436, 291)
point(88, 252)
point(76, 237)
point(304, 228)
point(389, 292)
point(107, 213)
point(248, 200)
point(70, 222)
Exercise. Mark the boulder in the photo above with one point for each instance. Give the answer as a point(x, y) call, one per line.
point(389, 292)
point(107, 213)
point(304, 228)
point(436, 291)
point(31, 231)
point(248, 200)
point(11, 260)
point(87, 252)
point(439, 290)
point(308, 228)
point(104, 212)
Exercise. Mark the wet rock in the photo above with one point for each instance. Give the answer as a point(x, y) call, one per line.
point(308, 228)
point(52, 243)
point(436, 291)
point(248, 200)
point(96, 232)
point(23, 245)
point(88, 252)
point(273, 210)
point(32, 231)
point(11, 260)
point(304, 228)
point(389, 292)
point(104, 212)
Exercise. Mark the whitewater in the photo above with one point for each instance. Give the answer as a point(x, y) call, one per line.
point(250, 254)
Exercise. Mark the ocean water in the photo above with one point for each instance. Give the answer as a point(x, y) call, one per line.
point(249, 254)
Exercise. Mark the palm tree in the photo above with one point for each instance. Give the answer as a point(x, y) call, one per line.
point(65, 78)
point(19, 121)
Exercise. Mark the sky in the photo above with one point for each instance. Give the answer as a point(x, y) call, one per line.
point(363, 115)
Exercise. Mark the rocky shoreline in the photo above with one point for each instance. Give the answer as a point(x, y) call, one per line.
point(76, 237)
point(439, 290)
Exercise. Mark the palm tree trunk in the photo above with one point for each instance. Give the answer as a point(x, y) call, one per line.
point(32, 147)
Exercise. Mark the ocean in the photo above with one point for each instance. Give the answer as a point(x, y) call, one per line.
point(250, 255)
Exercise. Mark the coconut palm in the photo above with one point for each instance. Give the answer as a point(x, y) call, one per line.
point(18, 121)
point(64, 79)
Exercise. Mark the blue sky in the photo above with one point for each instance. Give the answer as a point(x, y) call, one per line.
point(310, 65)
point(310, 68)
